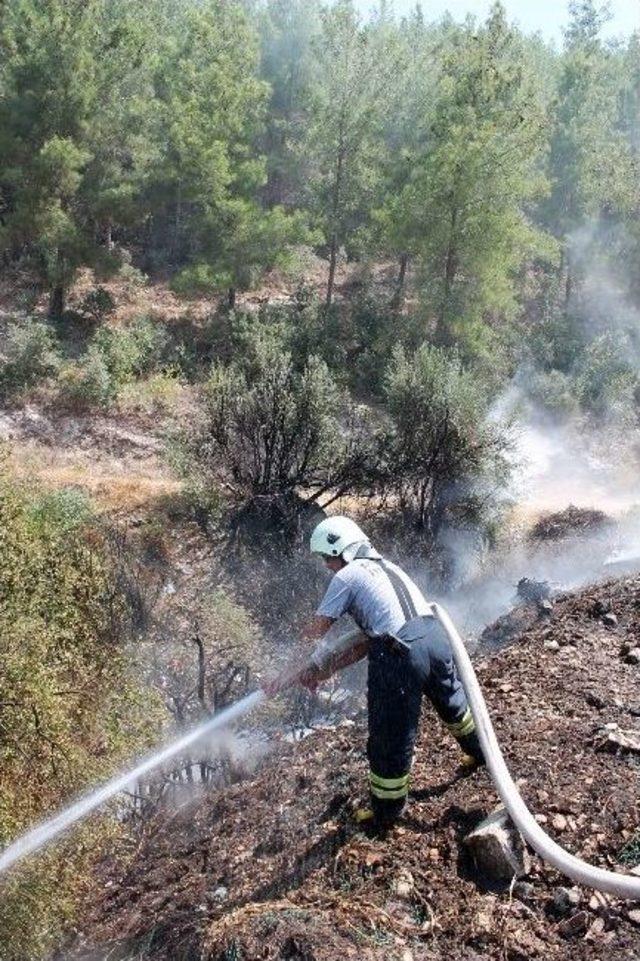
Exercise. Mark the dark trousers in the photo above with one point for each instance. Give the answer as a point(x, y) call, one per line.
point(397, 683)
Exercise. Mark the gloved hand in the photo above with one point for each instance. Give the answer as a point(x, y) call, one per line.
point(273, 686)
point(310, 678)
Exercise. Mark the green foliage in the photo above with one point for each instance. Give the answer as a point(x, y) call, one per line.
point(275, 432)
point(199, 280)
point(130, 352)
point(30, 354)
point(444, 454)
point(98, 304)
point(69, 708)
point(85, 383)
point(605, 378)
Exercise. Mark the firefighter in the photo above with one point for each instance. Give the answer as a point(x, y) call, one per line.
point(409, 655)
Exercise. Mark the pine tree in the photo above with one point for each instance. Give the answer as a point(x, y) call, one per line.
point(356, 77)
point(464, 207)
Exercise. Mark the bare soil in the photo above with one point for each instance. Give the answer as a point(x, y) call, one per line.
point(275, 868)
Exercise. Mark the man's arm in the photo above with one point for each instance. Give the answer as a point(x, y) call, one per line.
point(330, 661)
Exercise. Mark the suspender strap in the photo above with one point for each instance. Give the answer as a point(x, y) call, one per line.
point(401, 590)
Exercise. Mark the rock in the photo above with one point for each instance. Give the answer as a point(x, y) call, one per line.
point(576, 924)
point(220, 894)
point(600, 607)
point(610, 620)
point(498, 848)
point(634, 916)
point(559, 822)
point(598, 902)
point(551, 646)
point(595, 701)
point(524, 890)
point(530, 590)
point(565, 900)
point(596, 930)
point(633, 657)
point(615, 740)
point(404, 885)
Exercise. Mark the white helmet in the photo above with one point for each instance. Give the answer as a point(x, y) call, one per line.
point(339, 537)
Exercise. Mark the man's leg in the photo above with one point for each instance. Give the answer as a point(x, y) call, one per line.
point(394, 701)
point(445, 691)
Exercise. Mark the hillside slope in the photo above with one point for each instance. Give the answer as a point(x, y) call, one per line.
point(273, 868)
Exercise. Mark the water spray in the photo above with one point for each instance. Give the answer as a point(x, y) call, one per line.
point(48, 830)
point(620, 885)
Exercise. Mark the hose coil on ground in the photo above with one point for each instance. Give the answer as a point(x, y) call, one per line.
point(620, 885)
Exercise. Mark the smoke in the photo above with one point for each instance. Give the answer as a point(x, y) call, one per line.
point(601, 299)
point(556, 464)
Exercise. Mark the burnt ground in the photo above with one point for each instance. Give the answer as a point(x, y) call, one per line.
point(274, 867)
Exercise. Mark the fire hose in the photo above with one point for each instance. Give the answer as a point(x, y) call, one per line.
point(623, 886)
point(620, 885)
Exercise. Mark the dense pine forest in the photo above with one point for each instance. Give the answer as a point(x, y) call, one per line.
point(309, 259)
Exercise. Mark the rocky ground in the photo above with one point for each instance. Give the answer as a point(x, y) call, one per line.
point(275, 868)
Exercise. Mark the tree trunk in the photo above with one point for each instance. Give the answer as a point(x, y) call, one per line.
point(333, 256)
point(231, 298)
point(335, 207)
point(443, 334)
point(568, 280)
point(56, 302)
point(398, 295)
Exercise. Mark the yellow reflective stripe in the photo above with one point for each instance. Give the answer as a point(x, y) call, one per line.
point(389, 788)
point(464, 726)
point(388, 795)
point(389, 782)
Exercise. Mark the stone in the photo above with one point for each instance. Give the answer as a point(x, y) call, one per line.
point(565, 900)
point(609, 620)
point(634, 916)
point(404, 885)
point(559, 822)
point(615, 740)
point(497, 847)
point(633, 657)
point(576, 924)
point(524, 890)
point(598, 902)
point(551, 646)
point(545, 608)
point(596, 930)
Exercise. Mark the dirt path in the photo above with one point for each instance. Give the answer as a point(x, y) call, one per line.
point(118, 460)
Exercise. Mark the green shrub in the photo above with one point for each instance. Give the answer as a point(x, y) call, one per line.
point(85, 383)
point(443, 454)
point(98, 304)
point(70, 711)
point(130, 352)
point(64, 510)
point(604, 377)
point(553, 391)
point(159, 392)
point(30, 354)
point(133, 278)
point(200, 280)
point(276, 432)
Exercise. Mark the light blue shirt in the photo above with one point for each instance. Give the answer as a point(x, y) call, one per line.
point(363, 590)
